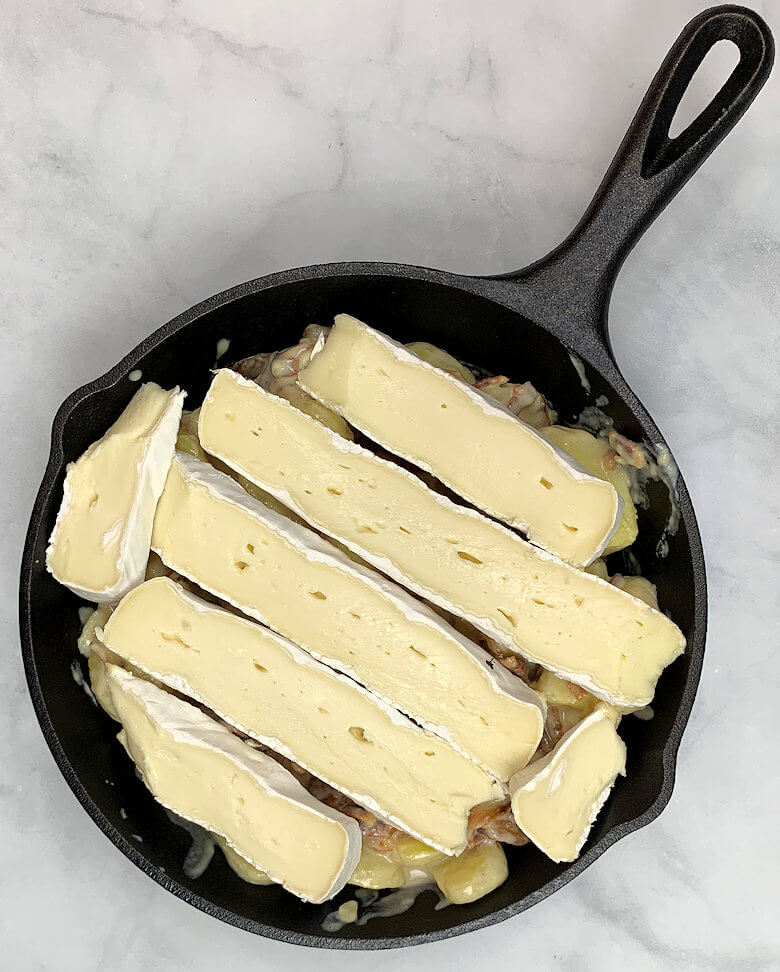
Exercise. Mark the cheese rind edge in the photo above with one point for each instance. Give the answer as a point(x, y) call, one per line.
point(425, 708)
point(539, 517)
point(556, 799)
point(173, 636)
point(501, 591)
point(187, 726)
point(145, 435)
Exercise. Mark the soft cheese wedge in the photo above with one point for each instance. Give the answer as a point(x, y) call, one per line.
point(525, 598)
point(198, 769)
point(556, 799)
point(100, 543)
point(273, 691)
point(465, 438)
point(208, 529)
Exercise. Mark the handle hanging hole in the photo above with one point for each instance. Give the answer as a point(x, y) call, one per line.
point(710, 76)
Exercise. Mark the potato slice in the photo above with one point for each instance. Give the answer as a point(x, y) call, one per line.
point(639, 587)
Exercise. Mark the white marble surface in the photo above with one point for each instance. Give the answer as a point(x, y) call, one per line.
point(157, 151)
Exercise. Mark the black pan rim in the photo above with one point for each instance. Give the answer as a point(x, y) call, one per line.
point(492, 289)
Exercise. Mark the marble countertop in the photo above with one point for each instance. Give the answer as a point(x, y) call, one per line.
point(157, 151)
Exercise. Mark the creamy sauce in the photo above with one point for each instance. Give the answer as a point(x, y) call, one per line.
point(594, 420)
point(222, 349)
point(201, 850)
point(579, 367)
point(78, 678)
point(659, 467)
point(374, 906)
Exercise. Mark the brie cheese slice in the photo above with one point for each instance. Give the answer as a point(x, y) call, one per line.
point(100, 543)
point(556, 799)
point(208, 529)
point(271, 690)
point(465, 438)
point(198, 769)
point(530, 601)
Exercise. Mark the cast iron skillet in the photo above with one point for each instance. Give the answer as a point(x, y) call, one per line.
point(522, 325)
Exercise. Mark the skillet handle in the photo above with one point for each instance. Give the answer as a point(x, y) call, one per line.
point(574, 282)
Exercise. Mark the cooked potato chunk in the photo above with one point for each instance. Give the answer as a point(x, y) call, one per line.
point(297, 396)
point(88, 637)
point(441, 359)
point(598, 568)
point(414, 853)
point(557, 691)
point(187, 442)
point(473, 874)
point(376, 871)
point(639, 587)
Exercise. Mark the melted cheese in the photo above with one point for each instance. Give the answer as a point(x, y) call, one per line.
point(198, 769)
point(464, 437)
point(100, 543)
point(271, 690)
point(282, 574)
point(527, 599)
point(556, 799)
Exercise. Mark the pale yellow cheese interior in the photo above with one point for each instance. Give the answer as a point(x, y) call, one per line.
point(552, 613)
point(556, 800)
point(332, 611)
point(481, 451)
point(89, 545)
point(276, 693)
point(297, 847)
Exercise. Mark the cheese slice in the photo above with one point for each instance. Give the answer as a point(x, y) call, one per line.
point(198, 769)
point(556, 799)
point(273, 691)
point(208, 529)
point(464, 437)
point(100, 542)
point(527, 599)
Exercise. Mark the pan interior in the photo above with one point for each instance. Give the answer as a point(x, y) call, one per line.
point(474, 329)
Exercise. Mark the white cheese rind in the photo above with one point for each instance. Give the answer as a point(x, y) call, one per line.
point(100, 543)
point(270, 689)
point(556, 799)
point(465, 438)
point(365, 625)
point(451, 555)
point(180, 751)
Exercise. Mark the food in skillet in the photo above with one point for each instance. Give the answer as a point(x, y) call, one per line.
point(341, 635)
